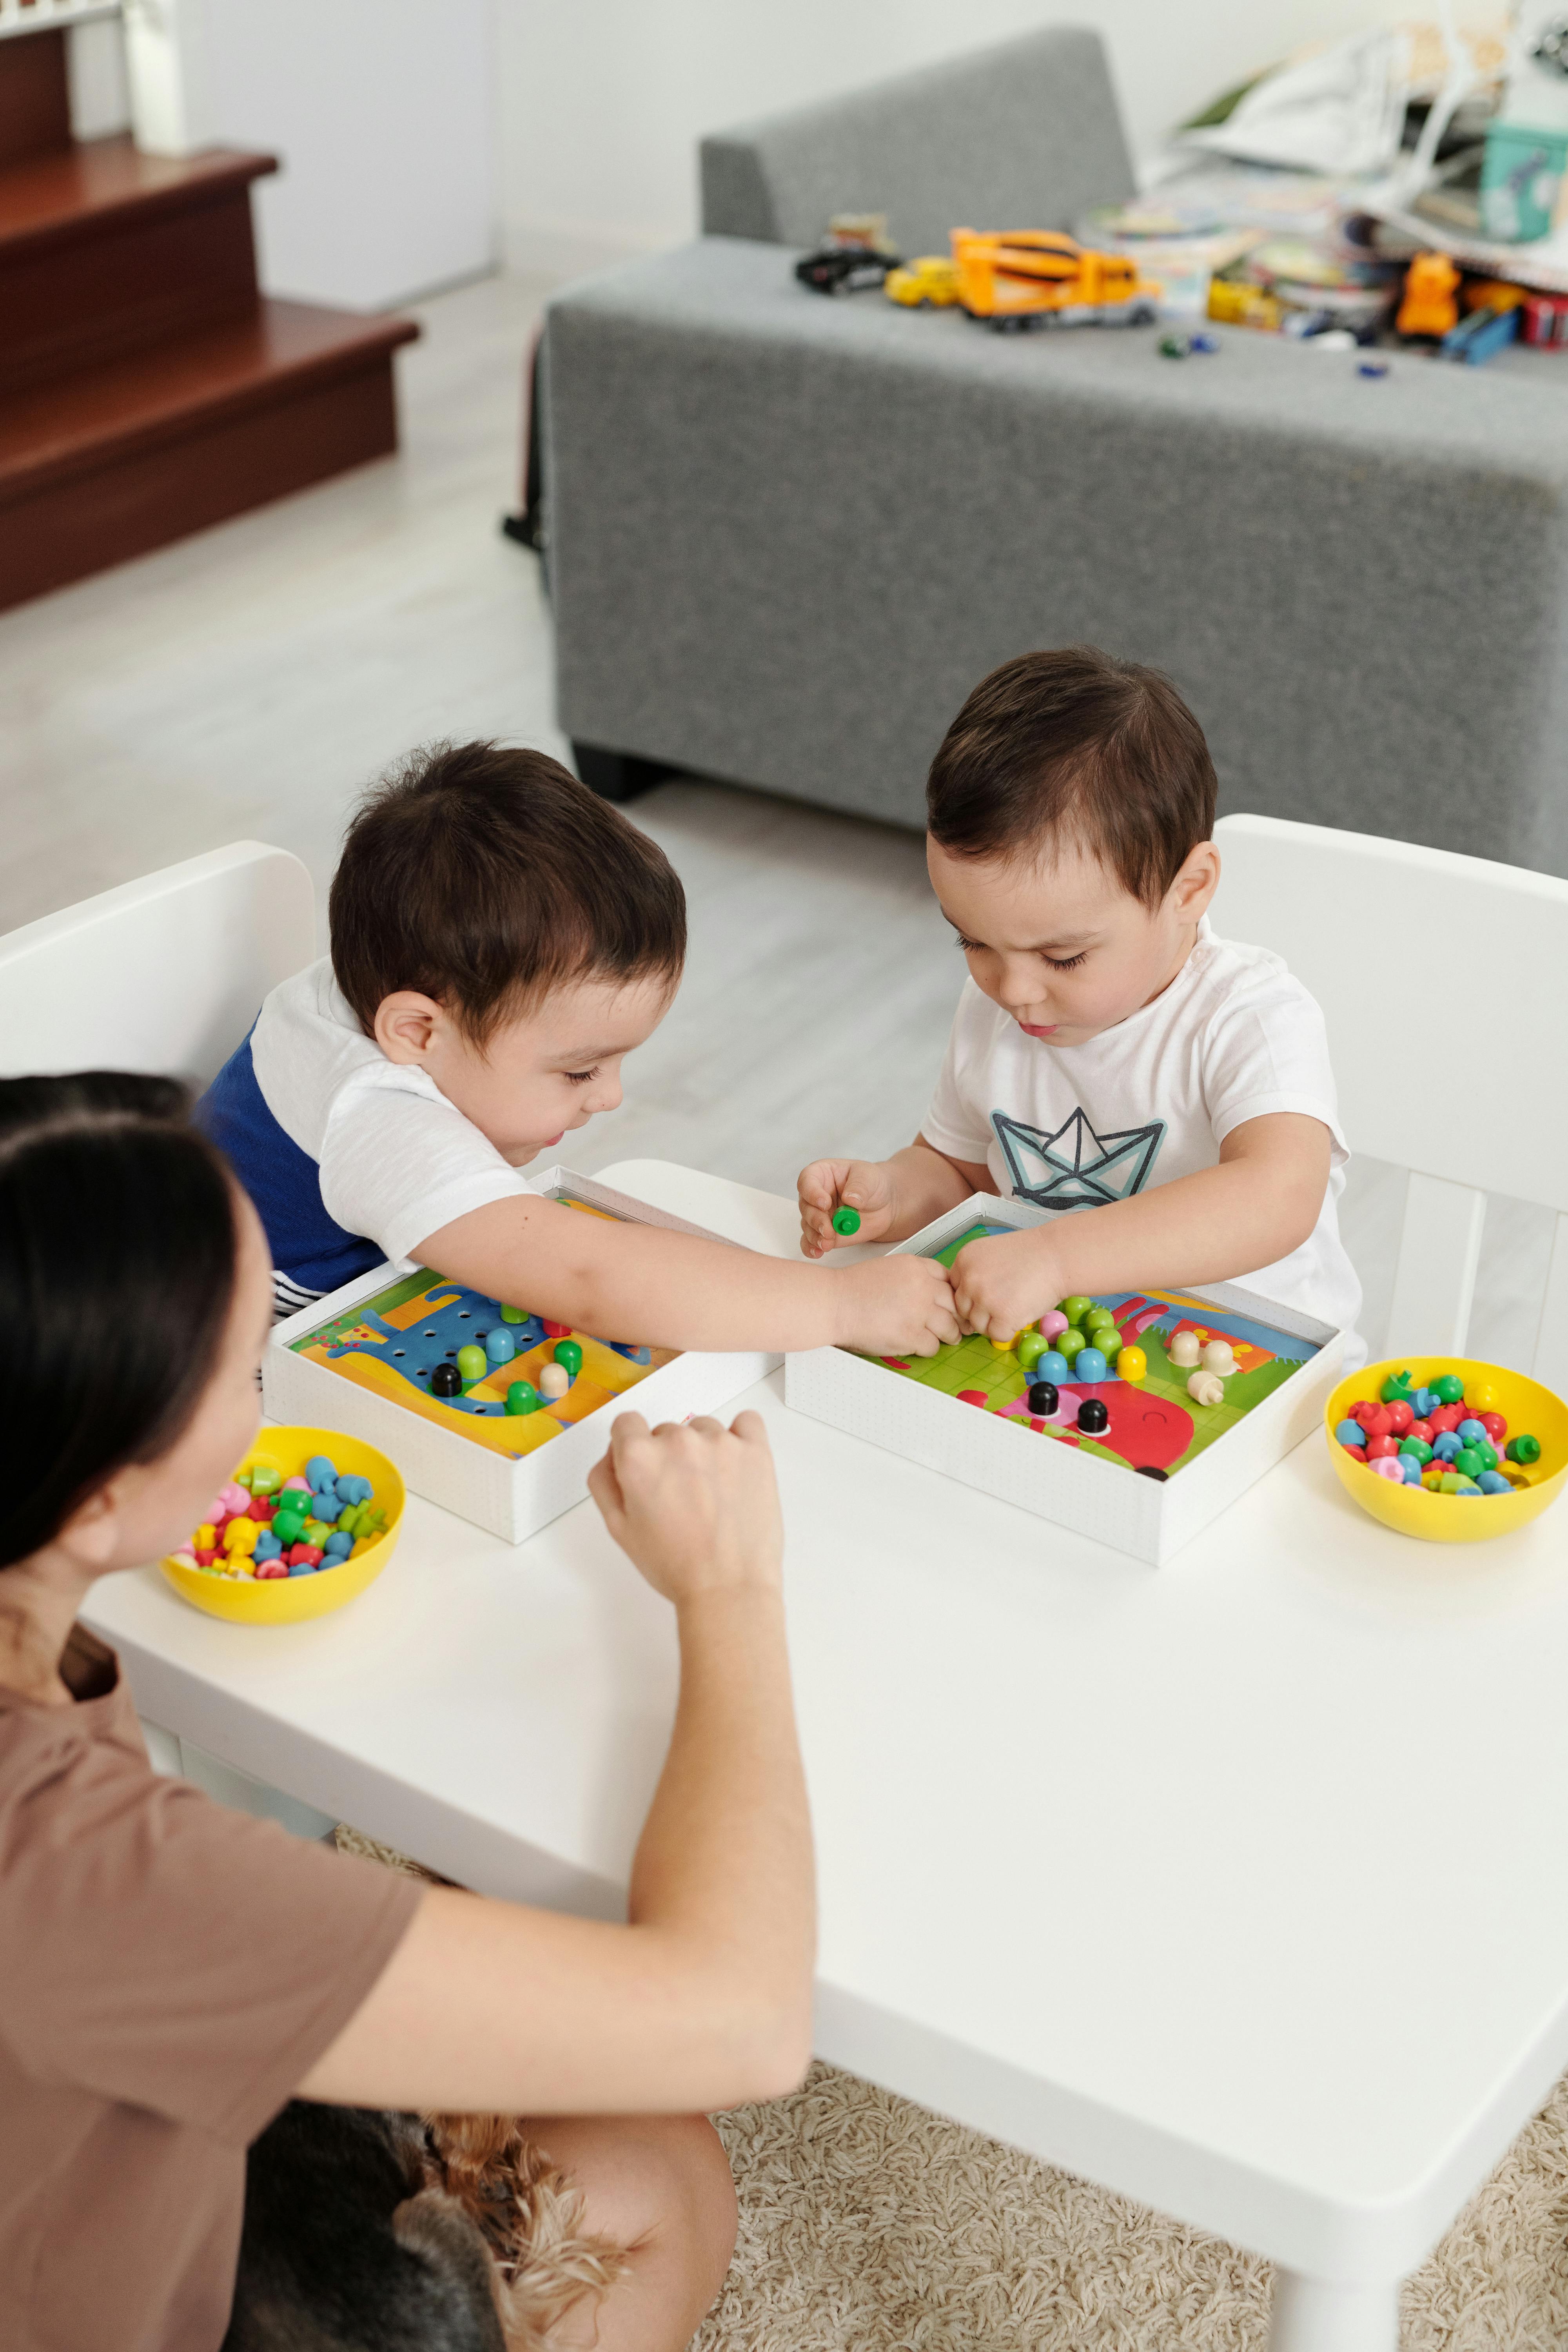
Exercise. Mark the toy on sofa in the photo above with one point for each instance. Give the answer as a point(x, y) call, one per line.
point(929, 282)
point(1017, 278)
point(1429, 305)
point(854, 258)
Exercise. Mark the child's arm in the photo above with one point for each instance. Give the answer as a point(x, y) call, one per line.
point(703, 1999)
point(641, 1282)
point(1257, 1206)
point(894, 1198)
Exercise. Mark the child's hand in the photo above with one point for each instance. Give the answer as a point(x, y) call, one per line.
point(694, 1505)
point(1003, 1282)
point(896, 1307)
point(828, 1184)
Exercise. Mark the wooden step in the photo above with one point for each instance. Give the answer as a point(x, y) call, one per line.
point(104, 252)
point(108, 466)
point(35, 95)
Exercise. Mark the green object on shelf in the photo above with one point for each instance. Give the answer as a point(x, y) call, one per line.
point(846, 1222)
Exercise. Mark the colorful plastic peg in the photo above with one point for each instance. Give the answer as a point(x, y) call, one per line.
point(1132, 1364)
point(845, 1222)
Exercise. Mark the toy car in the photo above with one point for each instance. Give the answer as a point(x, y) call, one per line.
point(929, 282)
point(853, 258)
point(842, 269)
point(1035, 277)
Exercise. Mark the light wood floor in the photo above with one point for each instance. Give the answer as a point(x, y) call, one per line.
point(249, 681)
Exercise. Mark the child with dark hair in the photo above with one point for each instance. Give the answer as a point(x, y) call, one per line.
point(501, 940)
point(494, 2117)
point(1110, 1056)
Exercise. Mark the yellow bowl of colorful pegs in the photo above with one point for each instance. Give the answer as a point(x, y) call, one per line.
point(1525, 1433)
point(317, 1485)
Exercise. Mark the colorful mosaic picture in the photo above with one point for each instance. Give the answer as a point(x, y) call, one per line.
point(1154, 1424)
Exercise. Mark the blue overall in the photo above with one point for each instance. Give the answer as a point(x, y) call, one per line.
point(311, 1252)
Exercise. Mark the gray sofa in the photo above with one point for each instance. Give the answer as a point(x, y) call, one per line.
point(788, 533)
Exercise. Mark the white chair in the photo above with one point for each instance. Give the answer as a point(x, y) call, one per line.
point(164, 974)
point(1439, 977)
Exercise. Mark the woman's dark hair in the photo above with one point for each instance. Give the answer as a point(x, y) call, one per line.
point(1076, 743)
point(483, 876)
point(117, 1268)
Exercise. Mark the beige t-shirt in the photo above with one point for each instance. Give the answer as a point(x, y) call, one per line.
point(169, 1971)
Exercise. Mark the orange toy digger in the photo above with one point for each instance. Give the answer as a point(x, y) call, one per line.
point(1017, 278)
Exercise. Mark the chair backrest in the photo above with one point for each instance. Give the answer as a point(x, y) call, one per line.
point(1438, 977)
point(164, 974)
point(1021, 136)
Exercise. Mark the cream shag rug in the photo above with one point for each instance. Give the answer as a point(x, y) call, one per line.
point(869, 2225)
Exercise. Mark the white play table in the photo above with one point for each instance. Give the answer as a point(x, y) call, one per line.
point(1237, 1885)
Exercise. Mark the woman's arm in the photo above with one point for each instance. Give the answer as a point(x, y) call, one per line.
point(893, 1197)
point(703, 1999)
point(1255, 1207)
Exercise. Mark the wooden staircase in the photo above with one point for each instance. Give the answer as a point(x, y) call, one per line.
point(146, 388)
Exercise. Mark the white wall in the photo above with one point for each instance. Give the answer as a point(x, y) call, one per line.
point(602, 102)
point(382, 113)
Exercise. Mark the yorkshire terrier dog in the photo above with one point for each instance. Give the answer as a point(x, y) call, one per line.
point(368, 2230)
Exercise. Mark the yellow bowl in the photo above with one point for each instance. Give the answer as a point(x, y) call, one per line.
point(1523, 1403)
point(287, 1599)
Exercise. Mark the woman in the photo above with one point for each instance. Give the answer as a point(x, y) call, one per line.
point(172, 1974)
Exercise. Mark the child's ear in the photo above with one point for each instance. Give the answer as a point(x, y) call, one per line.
point(1195, 884)
point(407, 1025)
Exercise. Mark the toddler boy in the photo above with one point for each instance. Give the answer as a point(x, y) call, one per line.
point(1110, 1056)
point(500, 940)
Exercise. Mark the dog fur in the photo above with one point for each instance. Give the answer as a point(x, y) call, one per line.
point(369, 2231)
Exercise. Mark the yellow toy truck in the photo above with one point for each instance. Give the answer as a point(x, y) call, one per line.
point(1018, 279)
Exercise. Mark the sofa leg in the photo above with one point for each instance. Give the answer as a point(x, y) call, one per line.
point(616, 775)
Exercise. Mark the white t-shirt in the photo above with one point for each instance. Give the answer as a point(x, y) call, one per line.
point(1232, 1037)
point(397, 1160)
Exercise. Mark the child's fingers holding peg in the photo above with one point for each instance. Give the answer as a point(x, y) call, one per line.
point(897, 1307)
point(997, 1286)
point(842, 1201)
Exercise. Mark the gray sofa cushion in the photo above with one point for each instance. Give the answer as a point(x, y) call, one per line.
point(790, 534)
point(1022, 136)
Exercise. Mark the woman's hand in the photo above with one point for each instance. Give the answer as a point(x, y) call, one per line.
point(693, 1504)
